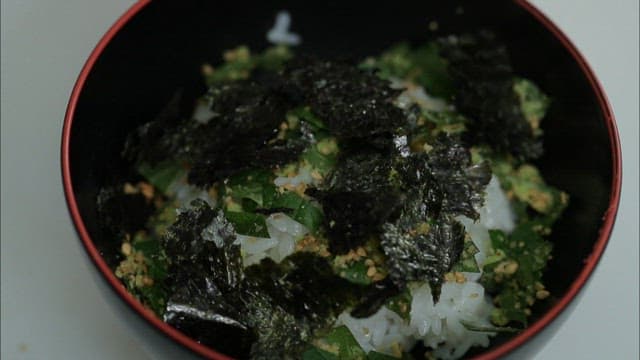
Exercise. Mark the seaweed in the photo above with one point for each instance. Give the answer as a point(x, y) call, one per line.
point(352, 102)
point(305, 284)
point(461, 182)
point(210, 296)
point(251, 110)
point(120, 213)
point(361, 194)
point(243, 110)
point(418, 249)
point(161, 138)
point(481, 71)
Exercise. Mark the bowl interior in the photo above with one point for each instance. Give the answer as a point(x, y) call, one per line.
point(162, 47)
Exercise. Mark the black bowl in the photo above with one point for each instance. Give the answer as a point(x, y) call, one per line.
point(157, 47)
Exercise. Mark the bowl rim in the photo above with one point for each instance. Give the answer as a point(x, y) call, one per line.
point(590, 262)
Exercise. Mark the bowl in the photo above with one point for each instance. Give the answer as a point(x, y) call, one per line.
point(157, 47)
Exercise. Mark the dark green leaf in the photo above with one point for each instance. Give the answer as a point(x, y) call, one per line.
point(304, 114)
point(533, 102)
point(252, 184)
point(348, 348)
point(162, 174)
point(401, 304)
point(318, 354)
point(467, 262)
point(373, 355)
point(324, 163)
point(356, 272)
point(248, 224)
point(303, 212)
point(422, 65)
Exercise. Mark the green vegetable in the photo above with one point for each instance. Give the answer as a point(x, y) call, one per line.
point(348, 348)
point(305, 114)
point(401, 304)
point(321, 156)
point(303, 211)
point(356, 272)
point(155, 295)
point(449, 122)
point(239, 63)
point(162, 174)
point(247, 223)
point(422, 65)
point(318, 354)
point(533, 102)
point(517, 277)
point(467, 262)
point(255, 185)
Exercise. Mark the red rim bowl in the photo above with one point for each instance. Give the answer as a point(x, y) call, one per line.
point(495, 352)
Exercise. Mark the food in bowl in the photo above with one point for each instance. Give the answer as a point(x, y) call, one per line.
point(331, 208)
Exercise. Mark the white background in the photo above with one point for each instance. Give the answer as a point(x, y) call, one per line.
point(51, 305)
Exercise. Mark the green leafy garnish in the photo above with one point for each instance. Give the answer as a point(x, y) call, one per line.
point(533, 102)
point(517, 277)
point(340, 338)
point(467, 262)
point(302, 210)
point(422, 65)
point(162, 174)
point(248, 224)
point(255, 185)
point(401, 304)
point(239, 63)
point(356, 272)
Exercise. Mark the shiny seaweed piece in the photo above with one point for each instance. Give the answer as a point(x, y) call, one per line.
point(421, 250)
point(361, 195)
point(481, 71)
point(210, 296)
point(353, 103)
point(305, 284)
point(249, 111)
point(461, 182)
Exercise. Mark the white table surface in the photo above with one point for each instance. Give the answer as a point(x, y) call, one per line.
point(51, 305)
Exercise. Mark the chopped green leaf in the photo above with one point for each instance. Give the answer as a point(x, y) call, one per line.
point(255, 185)
point(401, 304)
point(162, 174)
point(318, 354)
point(517, 278)
point(239, 62)
point(533, 102)
point(374, 355)
point(356, 272)
point(304, 211)
point(422, 65)
point(348, 348)
point(305, 114)
point(321, 156)
point(247, 223)
point(467, 262)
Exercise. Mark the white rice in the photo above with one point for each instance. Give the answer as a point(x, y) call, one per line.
point(280, 34)
point(416, 95)
point(283, 231)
